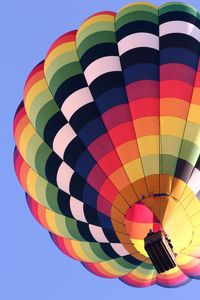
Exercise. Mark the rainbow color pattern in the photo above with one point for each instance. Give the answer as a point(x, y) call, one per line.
point(108, 141)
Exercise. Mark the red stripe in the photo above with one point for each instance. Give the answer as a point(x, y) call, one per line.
point(145, 108)
point(176, 89)
point(178, 72)
point(143, 89)
point(116, 115)
point(65, 38)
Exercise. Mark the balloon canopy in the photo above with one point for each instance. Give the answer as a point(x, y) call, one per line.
point(108, 141)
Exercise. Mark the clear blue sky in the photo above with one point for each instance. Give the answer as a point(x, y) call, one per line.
point(31, 267)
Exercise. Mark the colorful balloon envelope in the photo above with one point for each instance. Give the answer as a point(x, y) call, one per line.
point(108, 141)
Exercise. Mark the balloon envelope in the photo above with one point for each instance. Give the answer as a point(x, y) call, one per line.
point(108, 141)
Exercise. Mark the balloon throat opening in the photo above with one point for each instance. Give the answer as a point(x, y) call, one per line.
point(147, 235)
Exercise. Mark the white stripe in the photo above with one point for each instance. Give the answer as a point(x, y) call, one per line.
point(137, 40)
point(62, 139)
point(119, 249)
point(76, 101)
point(76, 207)
point(98, 234)
point(101, 66)
point(180, 27)
point(64, 176)
point(194, 182)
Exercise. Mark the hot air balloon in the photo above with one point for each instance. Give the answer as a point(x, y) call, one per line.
point(108, 142)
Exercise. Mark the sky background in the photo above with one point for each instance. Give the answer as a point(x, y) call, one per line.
point(31, 266)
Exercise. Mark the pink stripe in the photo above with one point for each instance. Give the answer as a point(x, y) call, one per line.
point(101, 66)
point(77, 209)
point(62, 139)
point(97, 233)
point(64, 176)
point(75, 101)
point(136, 40)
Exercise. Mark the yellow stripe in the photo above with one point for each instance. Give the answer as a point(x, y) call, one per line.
point(148, 145)
point(31, 184)
point(144, 274)
point(134, 170)
point(110, 267)
point(76, 245)
point(63, 48)
point(138, 3)
point(24, 139)
point(172, 126)
point(51, 221)
point(95, 19)
point(34, 91)
point(192, 133)
point(194, 114)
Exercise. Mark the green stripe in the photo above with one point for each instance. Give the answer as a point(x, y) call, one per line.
point(41, 158)
point(150, 164)
point(32, 148)
point(73, 229)
point(64, 225)
point(39, 101)
point(59, 62)
point(95, 39)
point(168, 164)
point(121, 265)
point(137, 8)
point(96, 248)
point(93, 29)
point(177, 6)
point(63, 74)
point(44, 115)
point(51, 195)
point(189, 152)
point(170, 144)
point(136, 16)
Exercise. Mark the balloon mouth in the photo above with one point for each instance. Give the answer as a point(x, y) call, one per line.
point(139, 220)
point(159, 213)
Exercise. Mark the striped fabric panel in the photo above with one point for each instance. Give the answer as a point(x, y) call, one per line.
point(107, 141)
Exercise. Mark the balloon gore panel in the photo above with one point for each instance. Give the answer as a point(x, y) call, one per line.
point(108, 142)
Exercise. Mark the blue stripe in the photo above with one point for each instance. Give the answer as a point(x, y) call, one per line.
point(143, 71)
point(179, 55)
point(111, 98)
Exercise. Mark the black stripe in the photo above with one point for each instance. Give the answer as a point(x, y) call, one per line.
point(51, 169)
point(98, 51)
point(54, 124)
point(179, 16)
point(84, 231)
point(139, 55)
point(83, 116)
point(91, 215)
point(68, 87)
point(198, 164)
point(111, 236)
point(64, 204)
point(137, 26)
point(183, 170)
point(106, 82)
point(132, 260)
point(108, 250)
point(179, 40)
point(73, 152)
point(77, 185)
